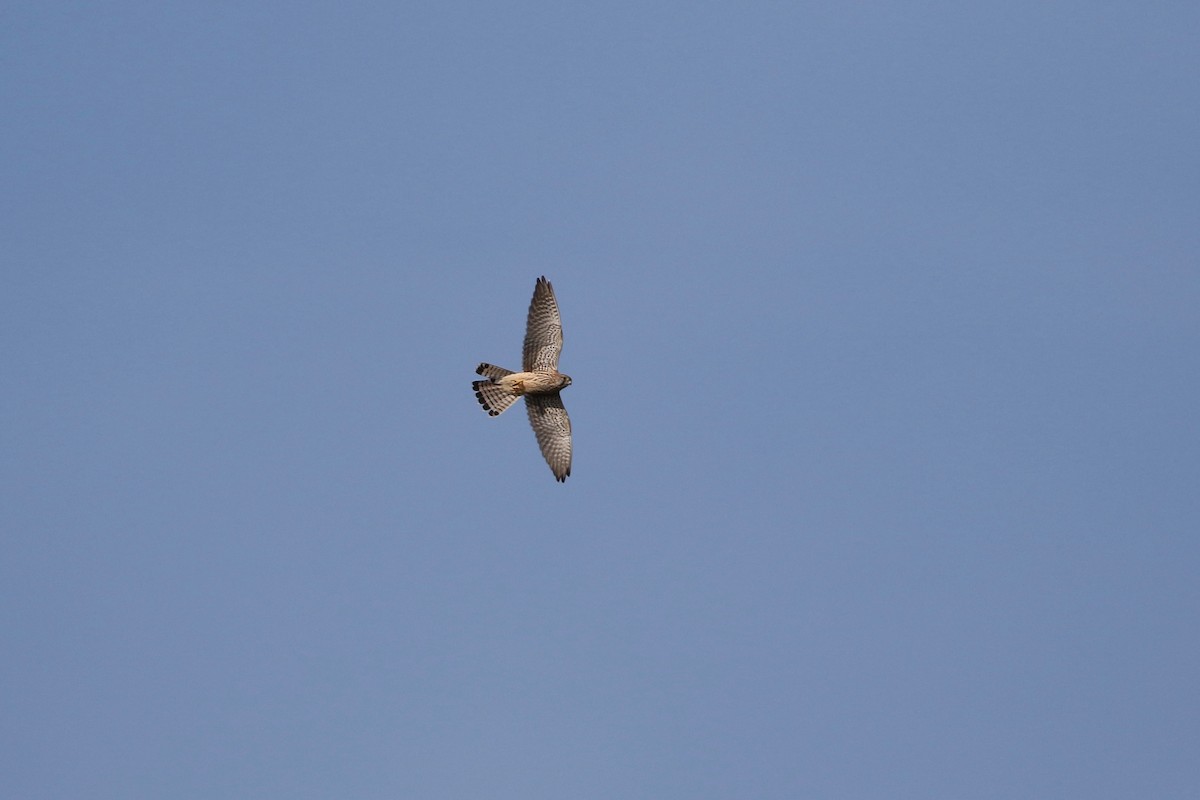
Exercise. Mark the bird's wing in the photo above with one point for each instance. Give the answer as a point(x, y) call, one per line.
point(553, 430)
point(543, 331)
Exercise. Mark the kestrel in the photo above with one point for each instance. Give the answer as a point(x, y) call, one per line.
point(539, 382)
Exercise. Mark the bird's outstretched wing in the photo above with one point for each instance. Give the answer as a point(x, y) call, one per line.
point(543, 331)
point(553, 430)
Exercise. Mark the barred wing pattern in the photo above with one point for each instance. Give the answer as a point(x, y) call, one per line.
point(539, 382)
point(543, 331)
point(552, 427)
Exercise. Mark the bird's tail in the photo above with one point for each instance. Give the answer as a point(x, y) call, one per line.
point(492, 371)
point(494, 398)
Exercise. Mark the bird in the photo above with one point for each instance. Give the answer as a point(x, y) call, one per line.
point(539, 382)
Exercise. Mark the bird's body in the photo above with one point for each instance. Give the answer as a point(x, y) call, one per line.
point(520, 383)
point(539, 382)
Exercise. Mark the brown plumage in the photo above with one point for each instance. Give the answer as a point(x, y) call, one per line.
point(539, 382)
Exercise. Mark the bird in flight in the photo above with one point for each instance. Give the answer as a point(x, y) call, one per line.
point(539, 382)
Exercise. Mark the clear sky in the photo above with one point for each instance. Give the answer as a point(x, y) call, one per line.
point(883, 323)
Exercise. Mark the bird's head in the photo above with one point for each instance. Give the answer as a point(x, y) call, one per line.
point(566, 380)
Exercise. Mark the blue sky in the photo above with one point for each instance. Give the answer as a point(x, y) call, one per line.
point(882, 319)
